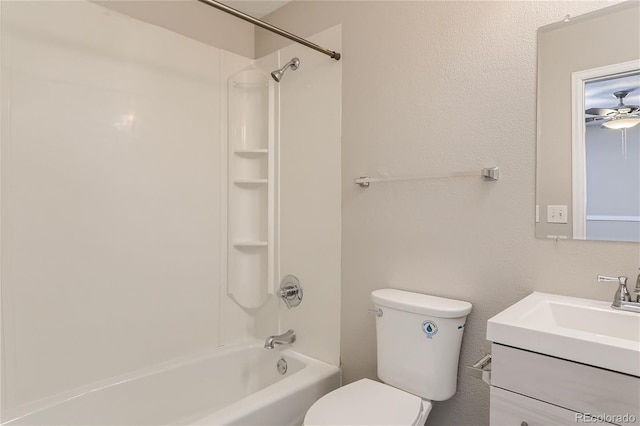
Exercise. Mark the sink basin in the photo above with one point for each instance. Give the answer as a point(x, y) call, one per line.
point(590, 319)
point(581, 330)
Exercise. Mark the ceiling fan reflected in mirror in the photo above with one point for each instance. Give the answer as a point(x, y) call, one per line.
point(618, 117)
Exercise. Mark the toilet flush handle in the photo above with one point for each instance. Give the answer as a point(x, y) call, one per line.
point(377, 312)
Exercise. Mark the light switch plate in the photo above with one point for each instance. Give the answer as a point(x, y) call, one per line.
point(557, 213)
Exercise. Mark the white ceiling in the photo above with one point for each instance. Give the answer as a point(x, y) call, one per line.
point(256, 8)
point(599, 94)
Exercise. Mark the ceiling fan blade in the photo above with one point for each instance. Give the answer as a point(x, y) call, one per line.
point(591, 119)
point(601, 111)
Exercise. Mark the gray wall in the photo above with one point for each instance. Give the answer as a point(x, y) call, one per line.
point(435, 87)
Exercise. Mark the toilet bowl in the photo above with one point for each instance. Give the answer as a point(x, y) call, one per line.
point(367, 402)
point(418, 340)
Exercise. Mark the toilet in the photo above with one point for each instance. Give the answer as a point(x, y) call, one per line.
point(418, 341)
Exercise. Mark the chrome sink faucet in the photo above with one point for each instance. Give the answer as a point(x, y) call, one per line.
point(283, 339)
point(622, 298)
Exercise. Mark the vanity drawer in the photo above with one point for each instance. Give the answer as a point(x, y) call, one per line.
point(511, 409)
point(577, 387)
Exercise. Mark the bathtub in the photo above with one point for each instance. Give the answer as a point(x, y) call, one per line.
point(238, 385)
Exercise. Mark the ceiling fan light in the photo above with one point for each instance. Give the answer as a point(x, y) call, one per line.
point(622, 123)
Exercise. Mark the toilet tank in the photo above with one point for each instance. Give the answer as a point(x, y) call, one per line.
point(418, 340)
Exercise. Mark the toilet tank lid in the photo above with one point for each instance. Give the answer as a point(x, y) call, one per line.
point(418, 303)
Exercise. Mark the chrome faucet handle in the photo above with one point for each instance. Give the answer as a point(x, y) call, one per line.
point(290, 291)
point(621, 280)
point(622, 294)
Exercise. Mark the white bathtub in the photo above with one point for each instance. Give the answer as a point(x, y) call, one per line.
point(232, 386)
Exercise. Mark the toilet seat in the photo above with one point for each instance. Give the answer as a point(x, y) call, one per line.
point(367, 402)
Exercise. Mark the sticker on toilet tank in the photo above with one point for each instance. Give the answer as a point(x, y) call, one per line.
point(429, 328)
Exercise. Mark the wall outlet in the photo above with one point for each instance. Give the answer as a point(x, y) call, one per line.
point(557, 214)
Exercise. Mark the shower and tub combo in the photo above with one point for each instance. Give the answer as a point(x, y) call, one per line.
point(158, 257)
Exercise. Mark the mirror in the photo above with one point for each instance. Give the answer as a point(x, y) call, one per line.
point(588, 131)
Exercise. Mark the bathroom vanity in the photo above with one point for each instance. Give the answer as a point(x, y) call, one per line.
point(560, 360)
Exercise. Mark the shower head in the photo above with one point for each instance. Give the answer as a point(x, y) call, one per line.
point(293, 63)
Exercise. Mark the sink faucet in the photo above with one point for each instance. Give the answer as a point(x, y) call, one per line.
point(622, 299)
point(283, 339)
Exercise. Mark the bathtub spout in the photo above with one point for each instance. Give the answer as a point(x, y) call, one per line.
point(283, 339)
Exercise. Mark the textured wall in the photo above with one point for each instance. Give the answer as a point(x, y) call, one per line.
point(434, 87)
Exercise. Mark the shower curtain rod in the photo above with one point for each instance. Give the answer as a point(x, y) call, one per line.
point(269, 27)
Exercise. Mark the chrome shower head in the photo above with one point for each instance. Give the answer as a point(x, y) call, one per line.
point(293, 63)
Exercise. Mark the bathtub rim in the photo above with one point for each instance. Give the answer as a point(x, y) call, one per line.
point(33, 407)
point(315, 370)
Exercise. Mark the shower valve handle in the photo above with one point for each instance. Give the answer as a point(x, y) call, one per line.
point(290, 291)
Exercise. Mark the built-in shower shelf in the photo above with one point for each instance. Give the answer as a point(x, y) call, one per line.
point(251, 176)
point(250, 85)
point(251, 244)
point(250, 181)
point(250, 151)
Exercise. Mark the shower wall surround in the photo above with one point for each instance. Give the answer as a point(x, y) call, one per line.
point(310, 226)
point(307, 194)
point(114, 198)
point(111, 212)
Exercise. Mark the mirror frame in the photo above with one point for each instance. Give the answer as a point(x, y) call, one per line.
point(566, 48)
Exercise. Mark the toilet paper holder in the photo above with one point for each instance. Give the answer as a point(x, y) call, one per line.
point(481, 369)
